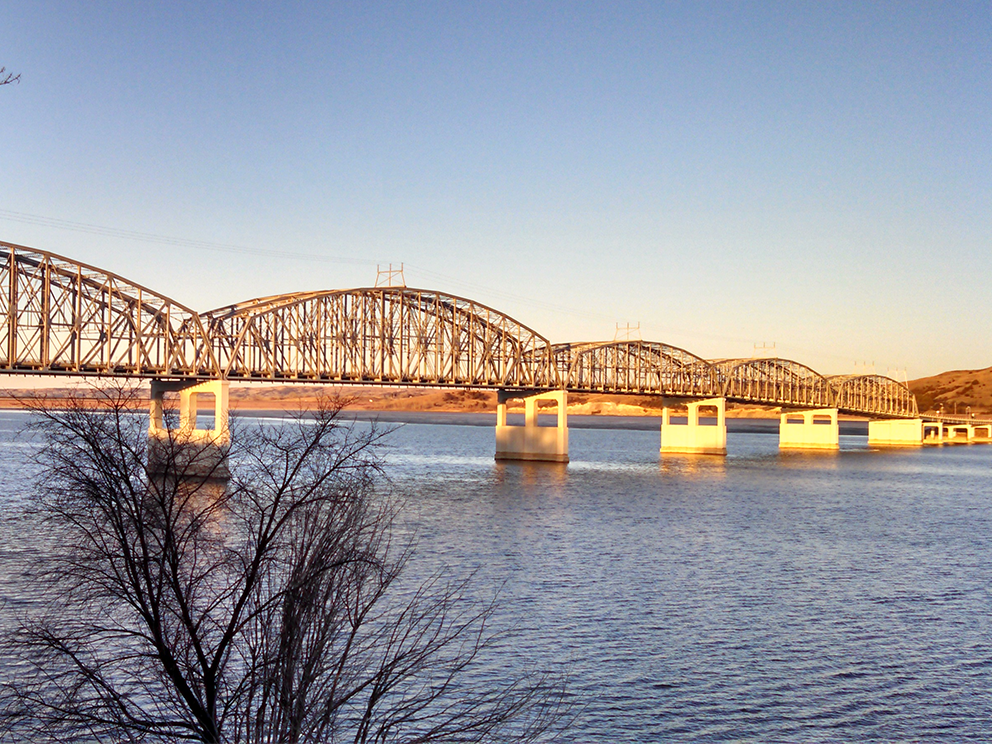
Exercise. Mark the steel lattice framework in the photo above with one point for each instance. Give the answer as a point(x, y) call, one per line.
point(775, 382)
point(391, 335)
point(635, 367)
point(873, 393)
point(62, 316)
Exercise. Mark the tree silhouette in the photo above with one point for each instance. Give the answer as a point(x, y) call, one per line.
point(260, 610)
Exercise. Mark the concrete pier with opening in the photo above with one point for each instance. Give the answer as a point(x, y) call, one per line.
point(896, 433)
point(531, 441)
point(816, 429)
point(696, 436)
point(958, 433)
point(192, 451)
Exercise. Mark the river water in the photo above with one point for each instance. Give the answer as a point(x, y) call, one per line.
point(761, 597)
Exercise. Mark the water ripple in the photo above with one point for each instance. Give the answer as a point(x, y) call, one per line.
point(755, 598)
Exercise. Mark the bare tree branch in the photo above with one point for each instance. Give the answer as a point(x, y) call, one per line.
point(257, 611)
point(9, 77)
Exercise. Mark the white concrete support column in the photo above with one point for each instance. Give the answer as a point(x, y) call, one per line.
point(809, 430)
point(896, 433)
point(933, 432)
point(188, 393)
point(530, 441)
point(959, 433)
point(203, 451)
point(694, 437)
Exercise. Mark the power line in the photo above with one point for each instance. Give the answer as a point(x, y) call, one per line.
point(500, 294)
point(84, 227)
point(113, 232)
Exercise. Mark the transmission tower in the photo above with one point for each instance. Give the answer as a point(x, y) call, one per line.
point(389, 277)
point(628, 332)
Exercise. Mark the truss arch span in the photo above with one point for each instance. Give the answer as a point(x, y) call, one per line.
point(774, 382)
point(63, 316)
point(874, 395)
point(393, 335)
point(634, 366)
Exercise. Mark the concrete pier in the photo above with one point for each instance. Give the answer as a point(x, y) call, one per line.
point(531, 441)
point(933, 432)
point(982, 433)
point(188, 450)
point(958, 434)
point(695, 437)
point(896, 433)
point(816, 429)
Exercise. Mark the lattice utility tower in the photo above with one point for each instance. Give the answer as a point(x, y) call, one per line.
point(764, 351)
point(628, 332)
point(389, 277)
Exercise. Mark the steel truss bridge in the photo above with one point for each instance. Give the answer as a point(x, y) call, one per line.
point(61, 316)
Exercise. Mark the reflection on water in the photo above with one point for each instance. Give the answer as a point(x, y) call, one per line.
point(552, 475)
point(692, 465)
point(765, 596)
point(809, 459)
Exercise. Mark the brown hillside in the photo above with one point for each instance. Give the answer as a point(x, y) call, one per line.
point(955, 391)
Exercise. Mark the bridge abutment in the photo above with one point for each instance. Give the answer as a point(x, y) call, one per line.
point(189, 451)
point(816, 429)
point(896, 433)
point(531, 441)
point(695, 437)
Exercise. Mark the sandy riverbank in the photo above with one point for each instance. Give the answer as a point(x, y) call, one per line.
point(287, 398)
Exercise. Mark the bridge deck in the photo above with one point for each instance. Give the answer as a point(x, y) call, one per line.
point(61, 316)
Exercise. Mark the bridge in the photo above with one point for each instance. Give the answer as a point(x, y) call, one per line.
point(62, 316)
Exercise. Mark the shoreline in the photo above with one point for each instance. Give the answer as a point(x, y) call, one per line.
point(754, 425)
point(413, 406)
point(643, 421)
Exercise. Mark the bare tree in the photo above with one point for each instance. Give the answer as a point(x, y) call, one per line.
point(259, 611)
point(6, 78)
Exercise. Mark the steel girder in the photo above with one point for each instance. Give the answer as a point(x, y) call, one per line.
point(383, 334)
point(873, 395)
point(653, 368)
point(62, 316)
point(634, 367)
point(776, 382)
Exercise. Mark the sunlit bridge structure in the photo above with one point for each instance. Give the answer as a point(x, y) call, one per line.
point(649, 368)
point(389, 335)
point(641, 367)
point(64, 317)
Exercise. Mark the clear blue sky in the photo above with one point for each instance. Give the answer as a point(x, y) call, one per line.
point(813, 175)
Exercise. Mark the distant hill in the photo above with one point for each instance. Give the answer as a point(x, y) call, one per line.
point(960, 388)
